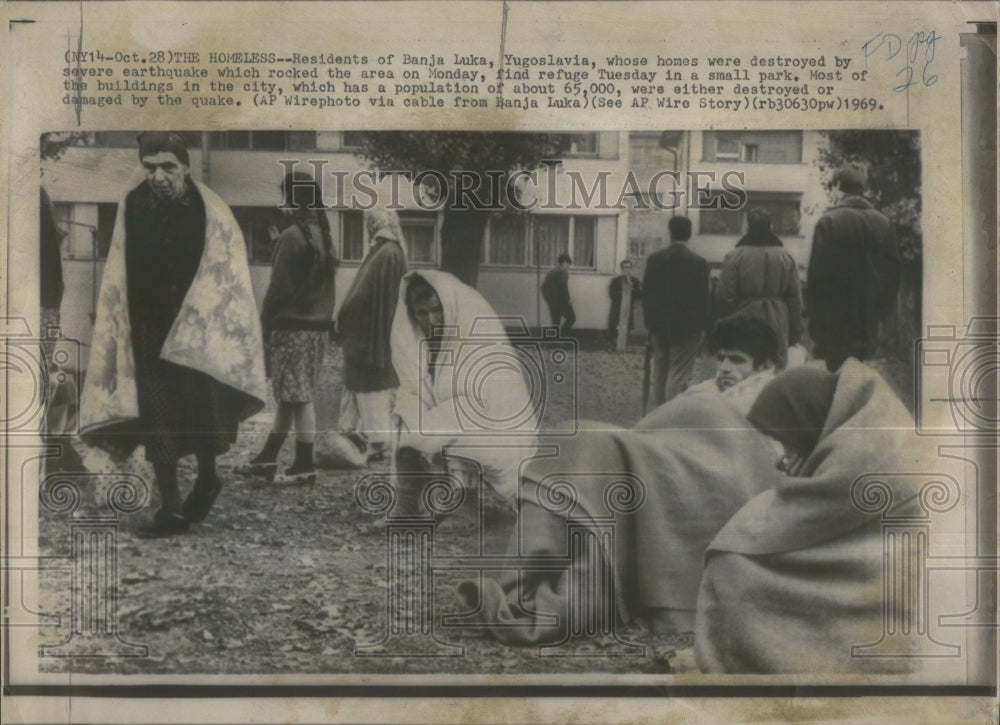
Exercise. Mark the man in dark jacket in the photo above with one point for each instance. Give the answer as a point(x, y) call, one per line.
point(853, 274)
point(555, 291)
point(624, 286)
point(675, 305)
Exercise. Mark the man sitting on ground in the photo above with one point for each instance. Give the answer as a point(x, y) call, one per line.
point(746, 349)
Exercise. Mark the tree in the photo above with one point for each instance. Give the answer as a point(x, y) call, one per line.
point(488, 157)
point(55, 143)
point(893, 162)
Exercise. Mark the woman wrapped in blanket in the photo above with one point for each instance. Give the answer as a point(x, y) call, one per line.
point(794, 581)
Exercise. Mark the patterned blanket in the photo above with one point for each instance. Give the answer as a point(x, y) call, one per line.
point(216, 332)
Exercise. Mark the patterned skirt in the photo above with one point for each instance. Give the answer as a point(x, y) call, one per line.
point(296, 360)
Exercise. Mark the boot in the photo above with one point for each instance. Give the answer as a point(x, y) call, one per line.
point(264, 463)
point(302, 469)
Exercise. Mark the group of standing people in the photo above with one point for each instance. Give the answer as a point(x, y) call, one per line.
point(179, 355)
point(852, 281)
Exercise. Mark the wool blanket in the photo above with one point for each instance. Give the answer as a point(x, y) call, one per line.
point(698, 461)
point(795, 578)
point(217, 331)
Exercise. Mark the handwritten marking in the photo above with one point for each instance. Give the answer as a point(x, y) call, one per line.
point(919, 54)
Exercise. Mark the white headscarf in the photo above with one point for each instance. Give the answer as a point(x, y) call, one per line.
point(479, 384)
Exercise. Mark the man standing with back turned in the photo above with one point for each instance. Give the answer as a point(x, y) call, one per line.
point(675, 305)
point(853, 274)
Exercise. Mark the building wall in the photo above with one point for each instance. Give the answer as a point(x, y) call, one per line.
point(803, 179)
point(86, 180)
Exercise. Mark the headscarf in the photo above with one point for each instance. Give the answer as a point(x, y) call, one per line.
point(793, 407)
point(383, 223)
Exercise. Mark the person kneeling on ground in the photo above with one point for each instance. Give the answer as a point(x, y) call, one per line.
point(460, 385)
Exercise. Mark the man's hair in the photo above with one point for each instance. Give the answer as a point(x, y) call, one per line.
point(154, 142)
point(564, 258)
point(680, 228)
point(851, 179)
point(748, 334)
point(624, 262)
point(759, 219)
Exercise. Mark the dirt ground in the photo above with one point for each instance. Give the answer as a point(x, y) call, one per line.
point(292, 579)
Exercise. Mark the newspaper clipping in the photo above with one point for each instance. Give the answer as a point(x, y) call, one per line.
point(499, 361)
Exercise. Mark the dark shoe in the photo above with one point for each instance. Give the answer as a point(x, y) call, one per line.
point(163, 524)
point(199, 502)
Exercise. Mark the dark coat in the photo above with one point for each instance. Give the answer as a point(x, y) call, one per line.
point(761, 279)
point(301, 293)
point(555, 289)
point(615, 293)
point(365, 320)
point(675, 292)
point(853, 279)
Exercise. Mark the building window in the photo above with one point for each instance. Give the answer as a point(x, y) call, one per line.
point(506, 240)
point(551, 237)
point(582, 144)
point(519, 241)
point(261, 140)
point(584, 236)
point(301, 140)
point(420, 231)
point(755, 147)
point(785, 212)
point(352, 235)
point(352, 139)
point(785, 209)
point(727, 147)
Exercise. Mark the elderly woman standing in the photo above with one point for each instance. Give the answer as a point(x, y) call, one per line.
point(760, 278)
point(296, 317)
point(365, 325)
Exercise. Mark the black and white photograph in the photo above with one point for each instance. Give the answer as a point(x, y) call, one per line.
point(633, 404)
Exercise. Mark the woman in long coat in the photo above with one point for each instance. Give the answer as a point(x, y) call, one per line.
point(761, 278)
